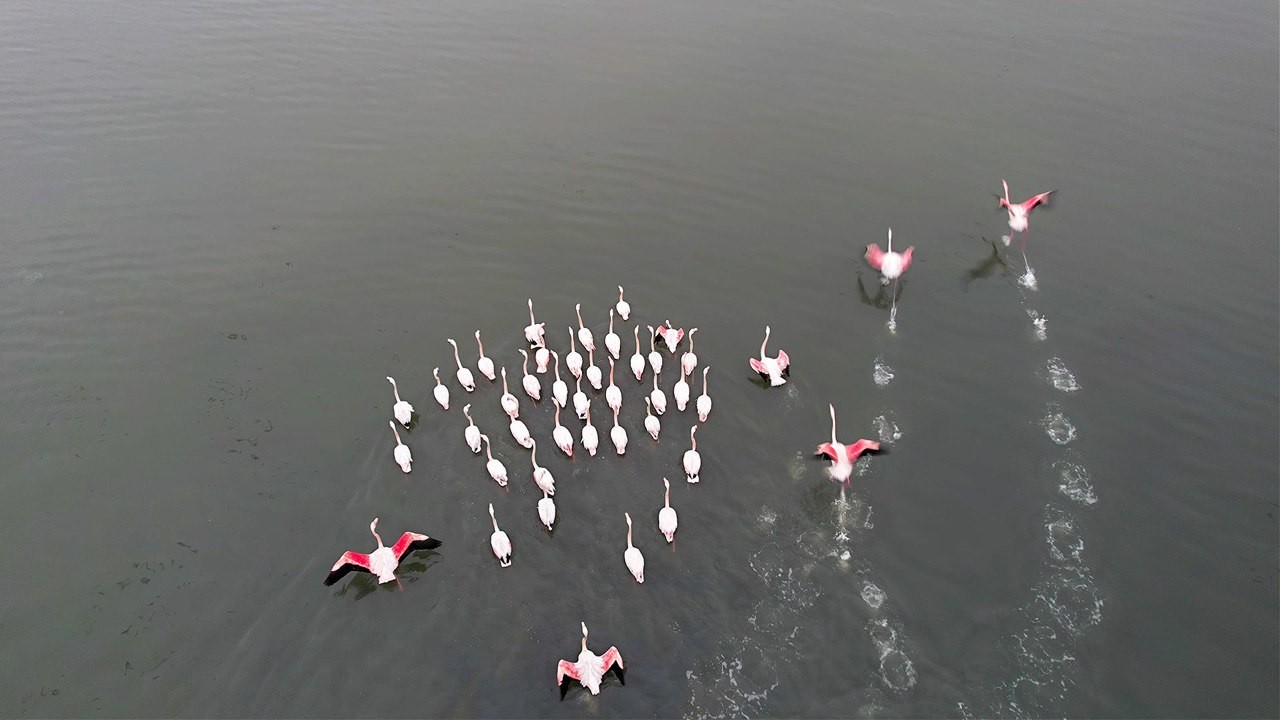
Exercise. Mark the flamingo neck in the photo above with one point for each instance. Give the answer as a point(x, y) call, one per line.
point(766, 342)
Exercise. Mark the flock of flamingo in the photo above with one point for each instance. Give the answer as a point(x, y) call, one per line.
point(590, 668)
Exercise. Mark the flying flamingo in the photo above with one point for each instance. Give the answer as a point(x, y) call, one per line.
point(573, 360)
point(672, 336)
point(632, 557)
point(499, 542)
point(484, 363)
point(510, 405)
point(590, 438)
point(618, 434)
point(535, 332)
point(692, 460)
point(402, 409)
point(472, 433)
point(891, 265)
point(637, 360)
point(383, 561)
point(667, 520)
point(441, 392)
point(623, 307)
point(613, 395)
point(403, 456)
point(562, 437)
point(584, 332)
point(531, 385)
point(612, 342)
point(689, 361)
point(465, 379)
point(655, 357)
point(496, 469)
point(772, 368)
point(704, 400)
point(842, 456)
point(594, 374)
point(658, 397)
point(541, 475)
point(681, 393)
point(580, 402)
point(547, 510)
point(651, 421)
point(1019, 222)
point(559, 390)
point(590, 668)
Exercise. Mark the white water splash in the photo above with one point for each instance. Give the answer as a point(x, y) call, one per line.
point(30, 276)
point(1040, 323)
point(887, 430)
point(1065, 544)
point(1058, 426)
point(896, 669)
point(873, 595)
point(882, 373)
point(1074, 482)
point(893, 319)
point(1057, 373)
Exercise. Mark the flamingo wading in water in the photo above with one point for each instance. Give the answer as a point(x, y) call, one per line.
point(612, 342)
point(472, 433)
point(590, 668)
point(465, 378)
point(843, 456)
point(772, 368)
point(891, 266)
point(535, 332)
point(499, 542)
point(692, 458)
point(633, 557)
point(637, 360)
point(383, 561)
point(440, 392)
point(623, 307)
point(667, 520)
point(402, 454)
point(402, 409)
point(704, 400)
point(496, 469)
point(485, 363)
point(584, 332)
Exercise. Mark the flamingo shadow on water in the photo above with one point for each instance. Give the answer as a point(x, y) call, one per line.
point(883, 299)
point(988, 266)
point(568, 682)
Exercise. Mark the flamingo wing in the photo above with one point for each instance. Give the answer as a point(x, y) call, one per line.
point(784, 362)
point(856, 449)
point(1042, 198)
point(874, 256)
point(411, 541)
point(566, 669)
point(758, 366)
point(679, 335)
point(610, 658)
point(827, 449)
point(360, 560)
point(906, 258)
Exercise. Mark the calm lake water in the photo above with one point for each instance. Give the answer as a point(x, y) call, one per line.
point(224, 223)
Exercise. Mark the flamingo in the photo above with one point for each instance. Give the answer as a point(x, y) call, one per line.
point(402, 454)
point(531, 385)
point(618, 434)
point(655, 357)
point(562, 437)
point(496, 469)
point(472, 433)
point(383, 561)
point(590, 438)
point(485, 363)
point(520, 432)
point(573, 360)
point(402, 409)
point(623, 307)
point(637, 360)
point(891, 266)
point(580, 402)
point(594, 374)
point(441, 392)
point(510, 405)
point(535, 332)
point(1019, 212)
point(689, 361)
point(672, 336)
point(651, 421)
point(613, 395)
point(541, 476)
point(559, 390)
point(465, 378)
point(704, 400)
point(499, 542)
point(842, 456)
point(541, 358)
point(692, 460)
point(658, 397)
point(547, 510)
point(667, 520)
point(612, 342)
point(590, 668)
point(681, 393)
point(772, 368)
point(632, 557)
point(584, 332)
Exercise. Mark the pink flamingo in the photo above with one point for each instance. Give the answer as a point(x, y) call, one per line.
point(891, 266)
point(590, 668)
point(842, 456)
point(772, 368)
point(383, 561)
point(1018, 212)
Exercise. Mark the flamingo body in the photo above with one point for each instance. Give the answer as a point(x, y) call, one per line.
point(383, 561)
point(590, 668)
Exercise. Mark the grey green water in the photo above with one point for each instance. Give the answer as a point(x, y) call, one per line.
point(223, 223)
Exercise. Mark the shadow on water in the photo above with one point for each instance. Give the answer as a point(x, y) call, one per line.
point(569, 683)
point(988, 266)
point(883, 299)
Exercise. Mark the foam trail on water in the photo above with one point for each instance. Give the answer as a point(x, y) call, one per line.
point(881, 372)
point(1057, 425)
point(1060, 376)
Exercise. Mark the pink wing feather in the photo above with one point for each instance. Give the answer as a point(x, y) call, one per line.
point(679, 335)
point(354, 558)
point(826, 449)
point(407, 539)
point(856, 449)
point(784, 362)
point(906, 258)
point(758, 366)
point(610, 657)
point(1038, 199)
point(875, 256)
point(565, 669)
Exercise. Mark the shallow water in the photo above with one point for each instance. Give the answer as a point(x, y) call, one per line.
point(225, 223)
